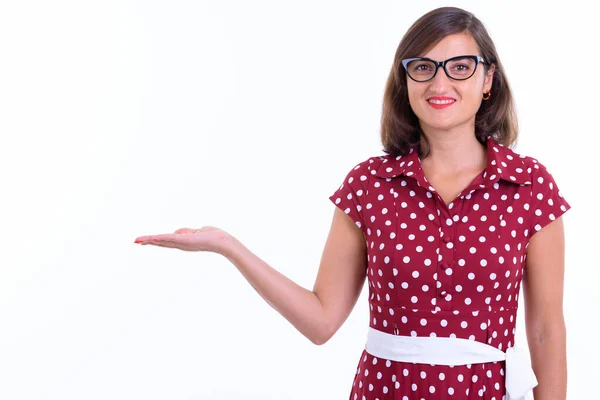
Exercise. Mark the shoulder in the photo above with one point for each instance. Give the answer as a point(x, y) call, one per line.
point(366, 168)
point(546, 197)
point(535, 171)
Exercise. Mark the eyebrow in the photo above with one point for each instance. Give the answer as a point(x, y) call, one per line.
point(458, 55)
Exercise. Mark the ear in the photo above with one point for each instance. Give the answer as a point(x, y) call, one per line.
point(489, 77)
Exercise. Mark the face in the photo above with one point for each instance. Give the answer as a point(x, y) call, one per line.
point(466, 95)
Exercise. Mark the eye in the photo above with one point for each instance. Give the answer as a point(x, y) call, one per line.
point(461, 67)
point(423, 67)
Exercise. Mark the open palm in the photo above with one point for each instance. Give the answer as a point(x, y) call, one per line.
point(207, 238)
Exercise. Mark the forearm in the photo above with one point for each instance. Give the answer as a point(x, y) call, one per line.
point(300, 306)
point(549, 361)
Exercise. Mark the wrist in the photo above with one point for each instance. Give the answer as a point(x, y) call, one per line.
point(228, 246)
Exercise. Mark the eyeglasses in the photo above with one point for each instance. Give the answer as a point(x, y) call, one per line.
point(422, 69)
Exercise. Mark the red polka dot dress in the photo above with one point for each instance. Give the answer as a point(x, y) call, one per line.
point(445, 270)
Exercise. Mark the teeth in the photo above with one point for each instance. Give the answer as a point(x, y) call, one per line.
point(441, 101)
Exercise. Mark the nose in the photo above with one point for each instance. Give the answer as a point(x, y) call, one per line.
point(440, 80)
point(440, 75)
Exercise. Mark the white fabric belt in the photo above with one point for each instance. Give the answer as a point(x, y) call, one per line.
point(520, 378)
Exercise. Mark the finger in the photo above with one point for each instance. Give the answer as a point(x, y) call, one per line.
point(161, 244)
point(173, 240)
point(166, 237)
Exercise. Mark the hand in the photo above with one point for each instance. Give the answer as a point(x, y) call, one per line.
point(207, 238)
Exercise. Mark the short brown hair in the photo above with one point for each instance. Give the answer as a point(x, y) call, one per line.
point(496, 117)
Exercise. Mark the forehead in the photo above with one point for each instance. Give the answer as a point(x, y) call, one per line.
point(453, 45)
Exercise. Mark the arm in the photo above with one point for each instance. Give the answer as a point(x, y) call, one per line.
point(319, 313)
point(544, 319)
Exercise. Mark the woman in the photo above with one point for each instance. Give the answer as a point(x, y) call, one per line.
point(445, 226)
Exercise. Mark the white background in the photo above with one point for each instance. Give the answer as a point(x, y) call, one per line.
point(128, 118)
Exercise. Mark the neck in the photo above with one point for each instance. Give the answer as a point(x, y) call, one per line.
point(454, 152)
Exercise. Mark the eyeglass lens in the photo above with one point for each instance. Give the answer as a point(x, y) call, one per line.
point(459, 68)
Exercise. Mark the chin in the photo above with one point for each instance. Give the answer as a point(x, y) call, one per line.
point(441, 125)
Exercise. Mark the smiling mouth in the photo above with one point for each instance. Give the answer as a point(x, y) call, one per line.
point(441, 101)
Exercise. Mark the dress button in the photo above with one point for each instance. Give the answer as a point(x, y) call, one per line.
point(447, 239)
point(443, 293)
point(444, 265)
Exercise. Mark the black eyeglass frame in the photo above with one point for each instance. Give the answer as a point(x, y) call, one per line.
point(442, 64)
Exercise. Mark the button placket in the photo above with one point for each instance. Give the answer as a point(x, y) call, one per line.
point(446, 266)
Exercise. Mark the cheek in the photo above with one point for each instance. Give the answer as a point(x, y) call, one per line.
point(473, 91)
point(414, 92)
point(470, 93)
point(472, 98)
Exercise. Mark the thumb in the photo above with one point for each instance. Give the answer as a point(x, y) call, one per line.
point(185, 230)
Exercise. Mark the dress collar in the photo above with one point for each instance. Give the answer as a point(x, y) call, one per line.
point(502, 163)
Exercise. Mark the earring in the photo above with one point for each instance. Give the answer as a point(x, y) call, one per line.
point(486, 96)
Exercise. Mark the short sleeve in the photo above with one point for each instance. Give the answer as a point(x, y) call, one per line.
point(350, 197)
point(547, 202)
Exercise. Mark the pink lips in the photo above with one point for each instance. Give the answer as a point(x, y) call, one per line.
point(439, 106)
